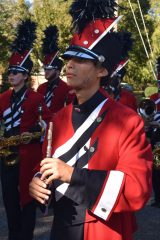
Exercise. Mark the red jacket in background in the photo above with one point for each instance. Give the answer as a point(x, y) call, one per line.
point(128, 99)
point(61, 95)
point(156, 99)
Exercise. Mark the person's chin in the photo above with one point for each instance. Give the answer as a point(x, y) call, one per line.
point(71, 84)
point(49, 79)
point(12, 84)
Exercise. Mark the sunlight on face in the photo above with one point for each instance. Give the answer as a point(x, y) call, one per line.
point(17, 79)
point(82, 74)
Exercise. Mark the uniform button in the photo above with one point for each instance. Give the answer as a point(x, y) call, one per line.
point(99, 119)
point(96, 31)
point(85, 42)
point(92, 149)
point(104, 210)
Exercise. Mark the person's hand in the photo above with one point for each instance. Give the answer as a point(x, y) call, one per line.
point(53, 168)
point(38, 190)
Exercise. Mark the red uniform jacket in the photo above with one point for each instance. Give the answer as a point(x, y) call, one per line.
point(116, 179)
point(128, 99)
point(61, 95)
point(156, 99)
point(30, 154)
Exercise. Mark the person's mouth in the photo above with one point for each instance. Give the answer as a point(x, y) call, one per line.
point(70, 75)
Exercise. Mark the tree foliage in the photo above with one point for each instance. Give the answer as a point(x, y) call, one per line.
point(139, 71)
point(11, 12)
point(155, 13)
point(46, 12)
point(6, 30)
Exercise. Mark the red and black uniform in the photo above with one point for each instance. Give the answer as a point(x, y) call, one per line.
point(56, 94)
point(112, 160)
point(155, 139)
point(156, 99)
point(128, 99)
point(19, 112)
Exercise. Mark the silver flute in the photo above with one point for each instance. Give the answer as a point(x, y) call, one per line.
point(49, 140)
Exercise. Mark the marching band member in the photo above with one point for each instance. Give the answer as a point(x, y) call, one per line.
point(155, 139)
point(55, 90)
point(19, 112)
point(119, 93)
point(156, 96)
point(101, 161)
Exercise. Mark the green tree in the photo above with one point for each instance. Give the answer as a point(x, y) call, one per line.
point(6, 31)
point(22, 10)
point(11, 12)
point(155, 14)
point(48, 12)
point(139, 72)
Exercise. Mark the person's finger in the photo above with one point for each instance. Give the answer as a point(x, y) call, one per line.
point(46, 161)
point(46, 174)
point(40, 194)
point(46, 166)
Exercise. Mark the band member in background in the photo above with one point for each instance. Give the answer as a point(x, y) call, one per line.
point(101, 161)
point(155, 140)
point(19, 110)
point(119, 93)
point(56, 92)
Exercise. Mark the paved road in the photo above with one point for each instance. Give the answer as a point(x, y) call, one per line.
point(148, 220)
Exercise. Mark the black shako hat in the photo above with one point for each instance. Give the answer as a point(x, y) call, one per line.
point(22, 46)
point(93, 39)
point(50, 49)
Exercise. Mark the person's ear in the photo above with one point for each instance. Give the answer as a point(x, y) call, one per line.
point(26, 76)
point(102, 72)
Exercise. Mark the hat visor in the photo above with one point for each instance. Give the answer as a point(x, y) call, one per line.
point(80, 52)
point(50, 67)
point(19, 69)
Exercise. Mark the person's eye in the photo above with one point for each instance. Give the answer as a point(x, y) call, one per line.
point(81, 60)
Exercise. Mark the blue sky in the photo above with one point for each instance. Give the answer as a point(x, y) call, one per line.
point(30, 1)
